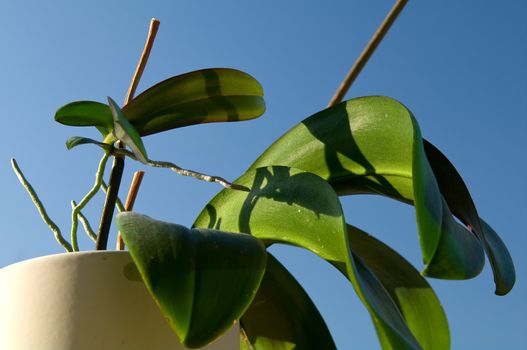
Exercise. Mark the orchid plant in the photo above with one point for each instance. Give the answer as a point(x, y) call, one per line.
point(206, 277)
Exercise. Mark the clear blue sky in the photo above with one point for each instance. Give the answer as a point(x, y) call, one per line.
point(460, 66)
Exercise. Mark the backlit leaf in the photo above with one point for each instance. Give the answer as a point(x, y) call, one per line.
point(294, 207)
point(203, 96)
point(374, 145)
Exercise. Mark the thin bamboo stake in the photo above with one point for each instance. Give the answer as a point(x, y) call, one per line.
point(367, 52)
point(152, 31)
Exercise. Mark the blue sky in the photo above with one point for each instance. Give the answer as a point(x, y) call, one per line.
point(460, 66)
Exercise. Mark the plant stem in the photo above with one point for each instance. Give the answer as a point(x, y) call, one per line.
point(130, 200)
point(367, 52)
point(118, 163)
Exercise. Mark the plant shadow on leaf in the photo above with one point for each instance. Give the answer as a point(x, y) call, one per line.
point(208, 100)
point(213, 88)
point(350, 149)
point(271, 183)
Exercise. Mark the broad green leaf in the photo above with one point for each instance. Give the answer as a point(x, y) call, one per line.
point(75, 141)
point(282, 316)
point(124, 131)
point(203, 96)
point(295, 207)
point(85, 113)
point(374, 145)
point(203, 280)
point(460, 202)
point(413, 295)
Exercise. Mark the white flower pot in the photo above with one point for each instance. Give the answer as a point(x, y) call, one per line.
point(84, 301)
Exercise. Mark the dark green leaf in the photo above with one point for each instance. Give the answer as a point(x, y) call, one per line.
point(203, 280)
point(203, 96)
point(500, 259)
point(291, 206)
point(374, 145)
point(124, 131)
point(74, 141)
point(282, 316)
point(86, 113)
point(460, 202)
point(413, 295)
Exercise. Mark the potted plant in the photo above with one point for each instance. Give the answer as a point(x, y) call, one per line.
point(205, 277)
point(108, 307)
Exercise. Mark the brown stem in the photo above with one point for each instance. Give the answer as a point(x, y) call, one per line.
point(118, 163)
point(367, 52)
point(130, 200)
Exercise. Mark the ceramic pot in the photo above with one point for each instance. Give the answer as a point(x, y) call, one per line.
point(84, 301)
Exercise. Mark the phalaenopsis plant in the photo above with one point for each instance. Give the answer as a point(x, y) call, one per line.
point(219, 269)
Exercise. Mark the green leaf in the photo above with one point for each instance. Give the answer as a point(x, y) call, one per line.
point(203, 280)
point(203, 96)
point(460, 202)
point(374, 145)
point(500, 259)
point(282, 316)
point(413, 295)
point(86, 113)
point(124, 131)
point(75, 141)
point(295, 207)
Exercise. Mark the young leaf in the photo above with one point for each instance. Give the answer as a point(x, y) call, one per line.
point(86, 113)
point(75, 141)
point(291, 206)
point(282, 316)
point(202, 280)
point(373, 145)
point(124, 131)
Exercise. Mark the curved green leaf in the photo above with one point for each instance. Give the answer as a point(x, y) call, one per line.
point(75, 141)
point(500, 259)
point(85, 113)
point(181, 267)
point(295, 207)
point(124, 131)
point(202, 96)
point(374, 145)
point(208, 110)
point(413, 295)
point(282, 316)
point(460, 202)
